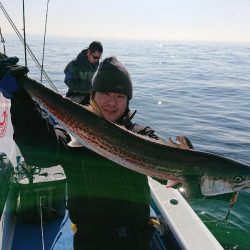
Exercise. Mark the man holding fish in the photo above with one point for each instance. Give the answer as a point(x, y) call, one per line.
point(108, 204)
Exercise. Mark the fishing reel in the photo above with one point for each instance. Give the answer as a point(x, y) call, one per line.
point(27, 171)
point(42, 192)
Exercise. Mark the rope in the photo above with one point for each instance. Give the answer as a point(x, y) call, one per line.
point(45, 30)
point(28, 49)
point(41, 220)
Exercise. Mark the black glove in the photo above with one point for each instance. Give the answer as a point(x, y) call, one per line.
point(18, 71)
point(6, 63)
point(8, 86)
point(9, 73)
point(9, 65)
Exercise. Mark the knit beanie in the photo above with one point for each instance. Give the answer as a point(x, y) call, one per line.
point(112, 76)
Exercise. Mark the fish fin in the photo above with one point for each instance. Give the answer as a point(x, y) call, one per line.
point(74, 143)
point(184, 142)
point(171, 143)
point(181, 142)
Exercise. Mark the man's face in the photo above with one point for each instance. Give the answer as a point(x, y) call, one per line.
point(112, 105)
point(94, 57)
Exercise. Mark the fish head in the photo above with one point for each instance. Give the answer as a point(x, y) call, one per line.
point(215, 185)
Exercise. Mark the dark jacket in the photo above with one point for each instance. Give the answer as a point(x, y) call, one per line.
point(78, 76)
point(100, 192)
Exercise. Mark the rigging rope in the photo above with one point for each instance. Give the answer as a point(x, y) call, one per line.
point(45, 30)
point(28, 49)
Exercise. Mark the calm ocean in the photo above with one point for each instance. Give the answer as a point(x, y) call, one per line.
point(201, 90)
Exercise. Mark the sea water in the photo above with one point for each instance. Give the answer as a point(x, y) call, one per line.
point(200, 90)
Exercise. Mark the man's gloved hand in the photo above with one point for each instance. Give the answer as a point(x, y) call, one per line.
point(6, 63)
point(8, 86)
point(18, 71)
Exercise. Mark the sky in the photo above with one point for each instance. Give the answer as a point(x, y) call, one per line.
point(189, 20)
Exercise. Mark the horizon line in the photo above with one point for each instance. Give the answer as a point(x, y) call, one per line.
point(134, 39)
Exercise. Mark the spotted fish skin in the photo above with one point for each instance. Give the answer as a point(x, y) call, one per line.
point(215, 174)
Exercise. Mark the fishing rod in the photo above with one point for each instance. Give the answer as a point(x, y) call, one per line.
point(24, 37)
point(28, 49)
point(2, 41)
point(45, 31)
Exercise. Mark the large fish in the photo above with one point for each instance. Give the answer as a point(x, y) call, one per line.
point(215, 174)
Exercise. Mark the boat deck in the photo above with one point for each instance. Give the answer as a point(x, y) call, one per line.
point(57, 235)
point(183, 228)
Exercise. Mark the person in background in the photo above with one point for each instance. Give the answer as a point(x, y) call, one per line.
point(108, 204)
point(79, 72)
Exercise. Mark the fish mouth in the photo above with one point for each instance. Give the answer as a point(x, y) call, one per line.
point(211, 186)
point(243, 186)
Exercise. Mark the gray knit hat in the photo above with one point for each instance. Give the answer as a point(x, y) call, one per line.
point(112, 76)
